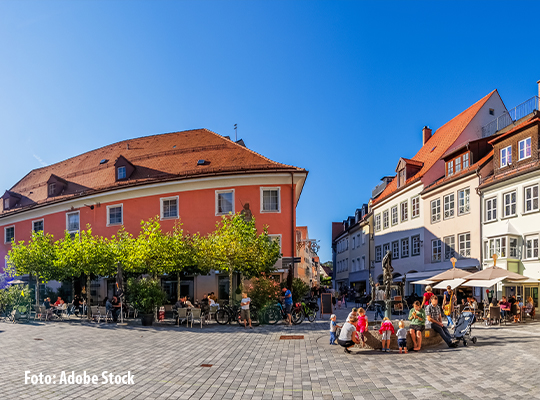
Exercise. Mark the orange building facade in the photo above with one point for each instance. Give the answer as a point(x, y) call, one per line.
point(192, 177)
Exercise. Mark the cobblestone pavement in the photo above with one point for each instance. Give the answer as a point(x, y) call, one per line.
point(256, 364)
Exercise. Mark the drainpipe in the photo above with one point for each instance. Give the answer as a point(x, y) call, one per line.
point(479, 193)
point(293, 236)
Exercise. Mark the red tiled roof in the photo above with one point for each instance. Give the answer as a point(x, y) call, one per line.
point(437, 145)
point(161, 157)
point(412, 162)
point(530, 121)
point(471, 168)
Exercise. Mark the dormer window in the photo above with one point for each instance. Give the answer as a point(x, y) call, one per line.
point(450, 168)
point(52, 189)
point(458, 164)
point(401, 178)
point(121, 173)
point(10, 200)
point(6, 204)
point(465, 160)
point(56, 186)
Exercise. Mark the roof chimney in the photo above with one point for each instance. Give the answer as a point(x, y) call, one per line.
point(426, 134)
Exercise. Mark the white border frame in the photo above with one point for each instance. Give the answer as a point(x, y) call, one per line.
point(500, 156)
point(121, 205)
point(67, 221)
point(525, 212)
point(218, 192)
point(5, 229)
point(262, 189)
point(412, 207)
point(496, 209)
point(42, 220)
point(396, 207)
point(524, 255)
point(457, 198)
point(444, 204)
point(161, 199)
point(524, 158)
point(504, 216)
point(125, 172)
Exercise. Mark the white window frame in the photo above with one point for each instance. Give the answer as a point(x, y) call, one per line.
point(464, 250)
point(218, 192)
point(354, 242)
point(510, 204)
point(457, 165)
point(5, 233)
point(378, 224)
point(505, 159)
point(449, 247)
point(363, 235)
point(417, 198)
point(493, 210)
point(386, 246)
point(123, 168)
point(491, 246)
point(395, 208)
point(162, 199)
point(531, 239)
point(395, 245)
point(436, 243)
point(49, 186)
point(404, 241)
point(451, 206)
point(121, 205)
point(524, 141)
point(39, 220)
point(413, 253)
point(263, 188)
point(67, 221)
point(461, 208)
point(279, 236)
point(465, 163)
point(378, 253)
point(363, 263)
point(525, 200)
point(404, 205)
point(386, 224)
point(434, 214)
point(450, 168)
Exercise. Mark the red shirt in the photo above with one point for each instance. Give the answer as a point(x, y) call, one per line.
point(361, 325)
point(428, 295)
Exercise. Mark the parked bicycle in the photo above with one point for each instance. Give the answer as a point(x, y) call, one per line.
point(310, 309)
point(274, 314)
point(227, 314)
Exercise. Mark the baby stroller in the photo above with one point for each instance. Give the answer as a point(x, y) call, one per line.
point(463, 328)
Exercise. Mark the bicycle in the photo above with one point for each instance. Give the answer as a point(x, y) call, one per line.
point(227, 314)
point(310, 309)
point(274, 313)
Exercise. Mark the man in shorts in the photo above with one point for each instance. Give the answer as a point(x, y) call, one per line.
point(287, 297)
point(244, 310)
point(417, 316)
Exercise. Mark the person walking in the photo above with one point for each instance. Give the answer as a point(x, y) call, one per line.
point(427, 296)
point(433, 316)
point(379, 297)
point(287, 298)
point(244, 311)
point(449, 305)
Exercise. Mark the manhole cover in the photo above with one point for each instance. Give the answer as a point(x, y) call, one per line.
point(206, 365)
point(291, 337)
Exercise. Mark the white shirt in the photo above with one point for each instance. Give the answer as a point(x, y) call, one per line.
point(379, 295)
point(347, 331)
point(245, 303)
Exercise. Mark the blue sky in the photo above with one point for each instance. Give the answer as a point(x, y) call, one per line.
point(342, 89)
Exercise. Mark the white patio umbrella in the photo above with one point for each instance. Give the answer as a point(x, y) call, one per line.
point(496, 272)
point(453, 283)
point(482, 282)
point(423, 282)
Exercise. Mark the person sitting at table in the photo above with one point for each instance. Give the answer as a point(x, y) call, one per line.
point(108, 305)
point(473, 303)
point(58, 301)
point(505, 306)
point(529, 307)
point(77, 303)
point(188, 303)
point(48, 307)
point(205, 304)
point(115, 303)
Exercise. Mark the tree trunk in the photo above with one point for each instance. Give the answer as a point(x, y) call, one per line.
point(88, 309)
point(72, 288)
point(37, 290)
point(178, 286)
point(230, 285)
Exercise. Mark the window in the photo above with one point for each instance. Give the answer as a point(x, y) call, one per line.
point(491, 209)
point(491, 111)
point(354, 242)
point(353, 267)
point(524, 148)
point(121, 173)
point(114, 215)
point(377, 222)
point(9, 234)
point(363, 237)
point(385, 249)
point(395, 249)
point(531, 198)
point(401, 178)
point(404, 208)
point(394, 215)
point(52, 188)
point(513, 250)
point(464, 203)
point(458, 164)
point(6, 204)
point(531, 247)
point(465, 245)
point(37, 226)
point(270, 201)
point(436, 250)
point(509, 204)
point(72, 222)
point(495, 246)
point(449, 206)
point(224, 202)
point(465, 160)
point(435, 210)
point(450, 167)
point(378, 253)
point(415, 206)
point(415, 245)
point(404, 247)
point(449, 247)
point(276, 238)
point(363, 263)
point(169, 207)
point(385, 219)
point(506, 156)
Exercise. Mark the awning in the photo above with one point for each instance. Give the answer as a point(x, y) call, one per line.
point(416, 276)
point(453, 283)
point(523, 282)
point(423, 282)
point(483, 283)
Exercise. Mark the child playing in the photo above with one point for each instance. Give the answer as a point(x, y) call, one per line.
point(402, 337)
point(333, 328)
point(386, 331)
point(362, 325)
point(353, 313)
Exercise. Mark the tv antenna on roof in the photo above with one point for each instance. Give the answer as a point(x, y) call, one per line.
point(235, 132)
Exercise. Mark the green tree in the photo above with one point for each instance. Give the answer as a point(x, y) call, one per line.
point(236, 246)
point(37, 258)
point(86, 254)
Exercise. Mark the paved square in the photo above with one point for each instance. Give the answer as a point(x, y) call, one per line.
point(255, 364)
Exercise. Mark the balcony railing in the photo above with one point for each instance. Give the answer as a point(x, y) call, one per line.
point(510, 116)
